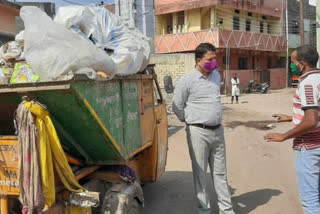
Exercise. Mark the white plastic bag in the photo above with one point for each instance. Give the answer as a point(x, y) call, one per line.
point(10, 51)
point(55, 52)
point(131, 47)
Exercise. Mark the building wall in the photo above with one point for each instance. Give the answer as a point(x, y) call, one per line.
point(268, 7)
point(193, 20)
point(260, 58)
point(111, 8)
point(209, 17)
point(309, 19)
point(205, 17)
point(7, 18)
point(277, 78)
point(176, 65)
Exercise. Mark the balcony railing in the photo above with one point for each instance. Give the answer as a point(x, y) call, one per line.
point(220, 38)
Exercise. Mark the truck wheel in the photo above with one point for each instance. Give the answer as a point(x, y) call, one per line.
point(122, 198)
point(112, 204)
point(134, 207)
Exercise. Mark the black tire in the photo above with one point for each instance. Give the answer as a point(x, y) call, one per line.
point(248, 91)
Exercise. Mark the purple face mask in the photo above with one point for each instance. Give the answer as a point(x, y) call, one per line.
point(210, 66)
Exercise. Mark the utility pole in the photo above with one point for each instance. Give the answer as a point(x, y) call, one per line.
point(287, 38)
point(318, 29)
point(301, 23)
point(117, 7)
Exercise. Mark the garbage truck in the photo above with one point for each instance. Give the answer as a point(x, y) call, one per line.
point(114, 134)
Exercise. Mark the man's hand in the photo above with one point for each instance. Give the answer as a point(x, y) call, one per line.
point(275, 137)
point(282, 118)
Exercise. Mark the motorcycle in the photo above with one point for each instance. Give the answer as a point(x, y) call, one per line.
point(257, 88)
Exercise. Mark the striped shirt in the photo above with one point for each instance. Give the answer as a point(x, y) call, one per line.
point(307, 96)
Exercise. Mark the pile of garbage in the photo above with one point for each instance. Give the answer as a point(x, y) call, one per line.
point(13, 67)
point(80, 40)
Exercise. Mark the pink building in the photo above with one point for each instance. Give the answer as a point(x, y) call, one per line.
point(248, 35)
point(111, 8)
point(8, 13)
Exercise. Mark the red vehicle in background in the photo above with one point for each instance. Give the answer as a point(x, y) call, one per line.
point(295, 81)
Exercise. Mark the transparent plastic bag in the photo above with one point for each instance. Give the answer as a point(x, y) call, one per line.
point(107, 31)
point(55, 52)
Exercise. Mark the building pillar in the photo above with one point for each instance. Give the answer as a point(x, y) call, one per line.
point(174, 23)
point(213, 17)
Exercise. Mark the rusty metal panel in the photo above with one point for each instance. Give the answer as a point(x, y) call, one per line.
point(162, 139)
point(148, 121)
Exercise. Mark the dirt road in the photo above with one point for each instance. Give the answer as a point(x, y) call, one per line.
point(261, 174)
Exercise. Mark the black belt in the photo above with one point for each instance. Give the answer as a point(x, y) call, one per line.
point(206, 126)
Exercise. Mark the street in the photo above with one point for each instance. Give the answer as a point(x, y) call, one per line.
point(261, 174)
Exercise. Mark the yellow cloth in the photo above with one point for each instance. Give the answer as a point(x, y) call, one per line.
point(52, 156)
point(77, 210)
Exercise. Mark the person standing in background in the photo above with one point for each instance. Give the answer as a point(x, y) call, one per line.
point(235, 88)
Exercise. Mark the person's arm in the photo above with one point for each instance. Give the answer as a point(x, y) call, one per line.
point(309, 95)
point(179, 99)
point(282, 118)
point(309, 122)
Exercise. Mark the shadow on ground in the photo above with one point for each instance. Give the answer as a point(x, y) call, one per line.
point(173, 129)
point(174, 194)
point(249, 201)
point(260, 125)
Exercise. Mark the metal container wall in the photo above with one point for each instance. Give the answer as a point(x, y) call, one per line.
point(101, 122)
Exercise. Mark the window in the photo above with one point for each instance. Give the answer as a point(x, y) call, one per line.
point(253, 62)
point(236, 23)
point(220, 21)
point(243, 63)
point(269, 28)
point(261, 27)
point(264, 17)
point(237, 11)
point(314, 29)
point(248, 25)
point(281, 63)
point(180, 18)
point(250, 14)
point(269, 62)
point(224, 60)
point(294, 27)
